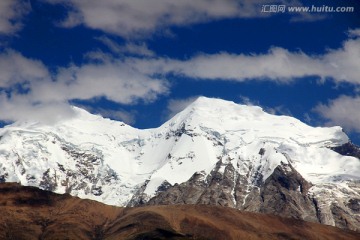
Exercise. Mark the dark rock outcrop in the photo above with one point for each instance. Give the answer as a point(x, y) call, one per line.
point(348, 149)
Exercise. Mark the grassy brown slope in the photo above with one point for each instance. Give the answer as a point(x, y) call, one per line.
point(30, 213)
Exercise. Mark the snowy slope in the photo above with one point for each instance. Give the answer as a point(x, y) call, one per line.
point(92, 157)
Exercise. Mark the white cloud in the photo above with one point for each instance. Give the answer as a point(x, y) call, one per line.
point(277, 110)
point(46, 97)
point(307, 118)
point(343, 111)
point(177, 105)
point(17, 71)
point(129, 48)
point(247, 101)
point(354, 32)
point(74, 18)
point(23, 108)
point(127, 117)
point(112, 79)
point(134, 18)
point(11, 14)
point(279, 64)
point(128, 80)
point(15, 68)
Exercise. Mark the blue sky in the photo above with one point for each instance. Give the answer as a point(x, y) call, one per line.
point(142, 61)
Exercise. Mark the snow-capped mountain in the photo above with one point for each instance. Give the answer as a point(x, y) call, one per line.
point(213, 152)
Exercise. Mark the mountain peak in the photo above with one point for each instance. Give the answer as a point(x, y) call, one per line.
point(254, 123)
point(215, 104)
point(207, 101)
point(206, 109)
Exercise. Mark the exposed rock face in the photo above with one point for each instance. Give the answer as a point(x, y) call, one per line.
point(348, 149)
point(284, 193)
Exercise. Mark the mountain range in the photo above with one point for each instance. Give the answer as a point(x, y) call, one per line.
point(214, 152)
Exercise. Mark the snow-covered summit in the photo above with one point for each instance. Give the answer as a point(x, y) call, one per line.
point(254, 123)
